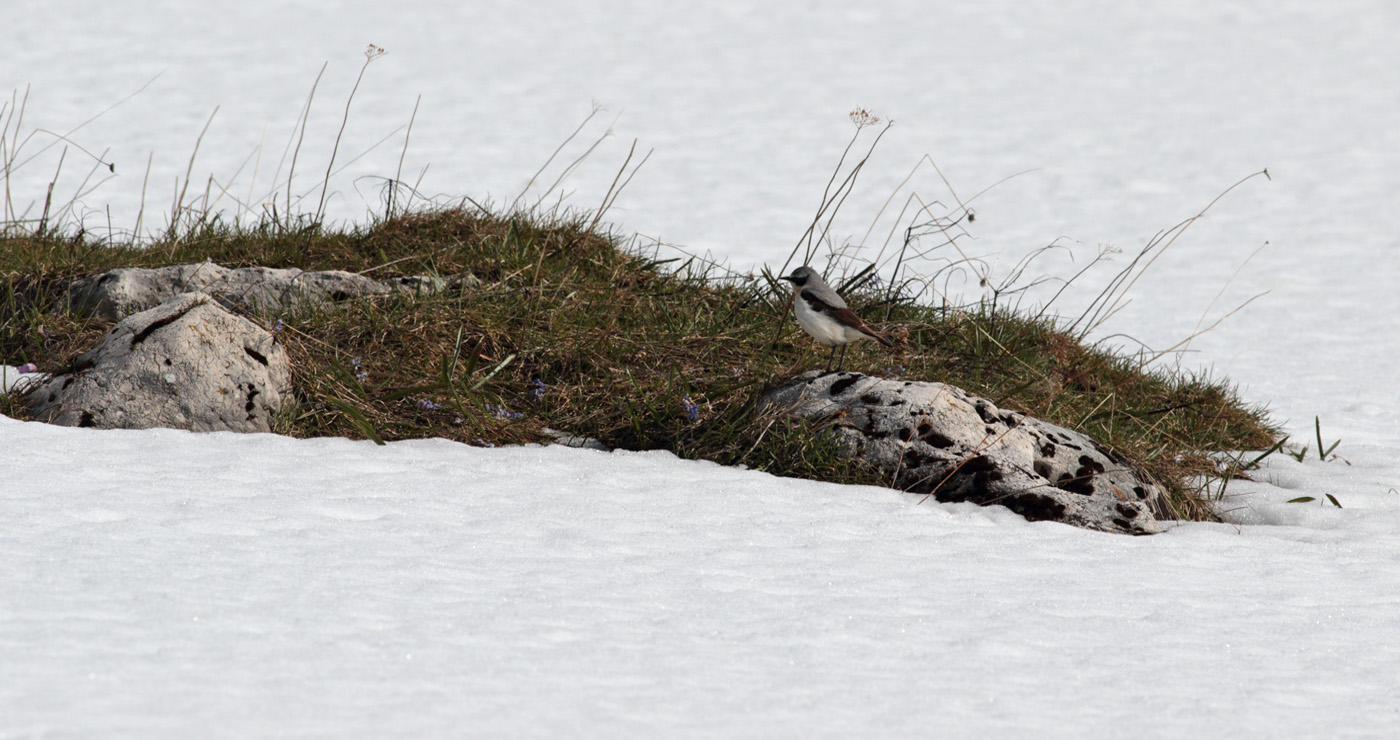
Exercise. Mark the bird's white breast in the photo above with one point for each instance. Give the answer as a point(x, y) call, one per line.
point(823, 328)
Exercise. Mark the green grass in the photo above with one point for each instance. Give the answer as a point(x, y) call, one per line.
point(578, 331)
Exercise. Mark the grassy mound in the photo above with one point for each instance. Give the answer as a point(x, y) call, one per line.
point(567, 329)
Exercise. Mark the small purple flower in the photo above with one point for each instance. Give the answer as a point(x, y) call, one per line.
point(360, 374)
point(537, 388)
point(27, 367)
point(277, 328)
point(501, 412)
point(692, 411)
point(427, 405)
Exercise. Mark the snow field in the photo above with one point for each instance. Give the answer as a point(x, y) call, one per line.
point(254, 585)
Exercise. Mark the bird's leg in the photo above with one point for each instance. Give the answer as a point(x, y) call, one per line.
point(830, 356)
point(841, 362)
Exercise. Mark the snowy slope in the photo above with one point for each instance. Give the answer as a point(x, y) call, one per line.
point(177, 584)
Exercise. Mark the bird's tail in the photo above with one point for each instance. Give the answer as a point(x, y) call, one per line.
point(879, 339)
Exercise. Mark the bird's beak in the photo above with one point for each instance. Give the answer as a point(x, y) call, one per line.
point(788, 278)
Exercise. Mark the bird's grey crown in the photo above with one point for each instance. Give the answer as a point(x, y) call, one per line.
point(801, 275)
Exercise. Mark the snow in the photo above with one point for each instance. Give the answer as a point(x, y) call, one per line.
point(259, 585)
point(164, 584)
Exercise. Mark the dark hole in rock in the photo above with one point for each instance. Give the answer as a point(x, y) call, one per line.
point(984, 411)
point(842, 385)
point(256, 355)
point(1035, 508)
point(1081, 482)
point(87, 420)
point(935, 438)
point(984, 473)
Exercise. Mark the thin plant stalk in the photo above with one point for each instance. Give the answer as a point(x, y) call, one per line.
point(299, 132)
point(372, 53)
point(179, 204)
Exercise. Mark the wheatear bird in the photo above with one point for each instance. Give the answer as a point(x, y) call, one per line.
point(823, 314)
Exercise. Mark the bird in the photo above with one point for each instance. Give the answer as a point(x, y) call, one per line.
point(822, 313)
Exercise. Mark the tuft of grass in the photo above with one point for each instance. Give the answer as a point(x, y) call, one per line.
point(565, 327)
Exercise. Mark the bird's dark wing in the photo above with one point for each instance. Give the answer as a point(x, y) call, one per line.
point(842, 315)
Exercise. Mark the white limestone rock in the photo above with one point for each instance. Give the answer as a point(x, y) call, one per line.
point(185, 364)
point(935, 438)
point(118, 293)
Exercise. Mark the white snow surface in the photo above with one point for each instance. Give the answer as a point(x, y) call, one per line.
point(176, 584)
point(166, 584)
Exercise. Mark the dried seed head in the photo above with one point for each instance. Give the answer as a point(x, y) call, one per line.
point(862, 118)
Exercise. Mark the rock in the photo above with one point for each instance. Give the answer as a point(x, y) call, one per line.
point(936, 439)
point(185, 364)
point(566, 439)
point(117, 293)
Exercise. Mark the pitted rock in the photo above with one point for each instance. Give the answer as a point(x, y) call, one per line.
point(117, 293)
point(185, 364)
point(937, 439)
